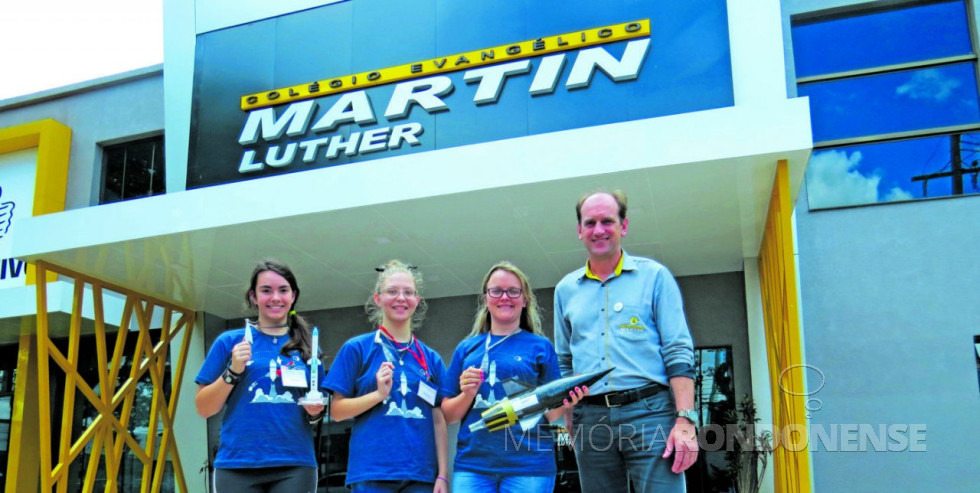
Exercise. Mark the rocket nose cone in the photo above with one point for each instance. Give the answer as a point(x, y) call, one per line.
point(594, 377)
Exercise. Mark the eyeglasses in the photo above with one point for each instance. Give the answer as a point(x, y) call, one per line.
point(394, 292)
point(498, 292)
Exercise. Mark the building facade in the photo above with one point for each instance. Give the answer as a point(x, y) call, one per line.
point(806, 170)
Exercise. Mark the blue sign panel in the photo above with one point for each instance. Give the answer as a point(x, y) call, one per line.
point(356, 81)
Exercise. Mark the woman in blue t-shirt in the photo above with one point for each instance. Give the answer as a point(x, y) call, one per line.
point(388, 382)
point(506, 342)
point(256, 374)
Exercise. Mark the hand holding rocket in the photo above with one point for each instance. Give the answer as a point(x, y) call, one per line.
point(314, 396)
point(526, 405)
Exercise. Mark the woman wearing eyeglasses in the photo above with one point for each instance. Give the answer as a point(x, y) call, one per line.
point(388, 382)
point(505, 342)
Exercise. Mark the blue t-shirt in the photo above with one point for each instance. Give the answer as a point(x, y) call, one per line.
point(529, 358)
point(394, 440)
point(263, 426)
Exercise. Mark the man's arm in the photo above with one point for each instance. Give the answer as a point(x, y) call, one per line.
point(563, 333)
point(683, 439)
point(678, 353)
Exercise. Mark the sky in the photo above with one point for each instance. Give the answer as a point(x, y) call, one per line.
point(46, 44)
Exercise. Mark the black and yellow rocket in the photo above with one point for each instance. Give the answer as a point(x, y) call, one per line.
point(526, 405)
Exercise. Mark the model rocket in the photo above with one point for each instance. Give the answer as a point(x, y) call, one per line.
point(248, 338)
point(314, 395)
point(526, 405)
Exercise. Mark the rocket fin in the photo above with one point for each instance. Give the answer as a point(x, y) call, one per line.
point(531, 421)
point(514, 386)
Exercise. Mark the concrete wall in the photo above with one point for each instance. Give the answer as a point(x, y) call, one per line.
point(104, 111)
point(886, 298)
point(889, 319)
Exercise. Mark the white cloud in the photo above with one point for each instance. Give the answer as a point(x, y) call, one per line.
point(898, 194)
point(928, 84)
point(833, 180)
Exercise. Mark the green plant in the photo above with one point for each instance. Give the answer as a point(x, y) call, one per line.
point(747, 450)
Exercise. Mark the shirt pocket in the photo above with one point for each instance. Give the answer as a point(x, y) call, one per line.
point(632, 323)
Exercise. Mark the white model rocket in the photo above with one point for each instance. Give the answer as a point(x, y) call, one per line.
point(314, 396)
point(248, 338)
point(315, 363)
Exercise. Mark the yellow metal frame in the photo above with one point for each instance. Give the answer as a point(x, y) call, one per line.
point(108, 434)
point(777, 273)
point(53, 142)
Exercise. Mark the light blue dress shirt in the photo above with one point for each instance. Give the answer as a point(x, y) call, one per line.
point(633, 321)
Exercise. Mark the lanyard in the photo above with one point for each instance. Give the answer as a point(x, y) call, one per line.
point(419, 356)
point(485, 363)
point(489, 346)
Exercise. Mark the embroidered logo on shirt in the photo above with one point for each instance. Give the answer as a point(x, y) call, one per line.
point(633, 324)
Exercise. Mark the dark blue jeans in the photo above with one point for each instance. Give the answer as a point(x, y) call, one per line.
point(613, 442)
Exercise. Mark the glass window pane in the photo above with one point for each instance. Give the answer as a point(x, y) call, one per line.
point(133, 170)
point(892, 171)
point(139, 170)
point(923, 32)
point(893, 102)
point(115, 166)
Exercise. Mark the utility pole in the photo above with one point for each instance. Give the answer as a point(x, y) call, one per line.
point(956, 172)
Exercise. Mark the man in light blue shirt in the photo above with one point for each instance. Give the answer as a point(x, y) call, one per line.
point(625, 312)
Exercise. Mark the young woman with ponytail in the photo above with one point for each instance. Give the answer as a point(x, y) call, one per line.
point(256, 374)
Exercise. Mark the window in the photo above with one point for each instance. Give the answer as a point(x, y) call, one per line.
point(714, 399)
point(976, 349)
point(894, 103)
point(132, 170)
point(8, 377)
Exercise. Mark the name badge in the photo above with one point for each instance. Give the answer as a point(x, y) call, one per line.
point(293, 377)
point(427, 393)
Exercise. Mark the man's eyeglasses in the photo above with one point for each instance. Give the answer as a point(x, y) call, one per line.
point(498, 292)
point(394, 292)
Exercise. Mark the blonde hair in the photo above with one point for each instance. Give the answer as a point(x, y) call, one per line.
point(530, 315)
point(374, 313)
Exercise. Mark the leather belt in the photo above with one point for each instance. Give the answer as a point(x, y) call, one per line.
point(623, 397)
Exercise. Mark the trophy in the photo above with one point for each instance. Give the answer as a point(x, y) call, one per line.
point(314, 396)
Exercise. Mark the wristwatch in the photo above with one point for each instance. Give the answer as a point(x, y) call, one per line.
point(690, 415)
point(230, 377)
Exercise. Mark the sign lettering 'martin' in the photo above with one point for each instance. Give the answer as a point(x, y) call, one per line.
point(429, 93)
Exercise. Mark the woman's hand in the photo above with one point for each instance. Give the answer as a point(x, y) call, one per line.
point(576, 395)
point(385, 377)
point(313, 409)
point(441, 486)
point(470, 381)
point(240, 355)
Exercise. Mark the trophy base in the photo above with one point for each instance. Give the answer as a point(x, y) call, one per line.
point(313, 399)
